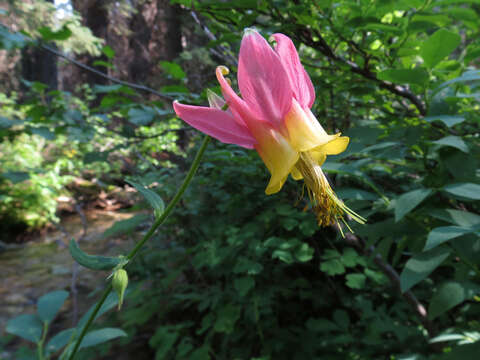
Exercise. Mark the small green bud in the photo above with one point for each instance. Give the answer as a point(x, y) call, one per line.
point(120, 283)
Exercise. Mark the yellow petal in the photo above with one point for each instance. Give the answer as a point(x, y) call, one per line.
point(335, 146)
point(296, 174)
point(318, 156)
point(276, 152)
point(304, 131)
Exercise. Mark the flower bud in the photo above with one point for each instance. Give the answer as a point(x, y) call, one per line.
point(120, 283)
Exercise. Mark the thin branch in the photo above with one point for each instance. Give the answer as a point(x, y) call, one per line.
point(225, 53)
point(101, 74)
point(390, 272)
point(326, 50)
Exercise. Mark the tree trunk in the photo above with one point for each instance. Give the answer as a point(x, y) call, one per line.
point(39, 65)
point(173, 35)
point(95, 17)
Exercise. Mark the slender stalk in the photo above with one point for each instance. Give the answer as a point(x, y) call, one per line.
point(42, 341)
point(174, 201)
point(90, 320)
point(146, 237)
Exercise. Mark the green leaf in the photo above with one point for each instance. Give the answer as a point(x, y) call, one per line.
point(243, 285)
point(163, 341)
point(355, 194)
point(226, 319)
point(447, 337)
point(438, 46)
point(339, 168)
point(417, 76)
point(283, 255)
point(49, 304)
point(94, 156)
point(141, 116)
point(350, 258)
point(125, 226)
point(448, 296)
point(48, 34)
point(409, 201)
point(462, 166)
point(203, 353)
point(27, 326)
point(151, 196)
point(453, 141)
point(59, 340)
point(103, 63)
point(108, 51)
point(448, 120)
point(463, 352)
point(383, 28)
point(332, 267)
point(457, 217)
point(468, 191)
point(356, 281)
point(93, 262)
point(321, 325)
point(445, 233)
point(467, 76)
point(15, 176)
point(100, 336)
point(420, 266)
point(304, 253)
point(6, 123)
point(173, 69)
point(341, 318)
point(381, 146)
point(43, 132)
point(9, 41)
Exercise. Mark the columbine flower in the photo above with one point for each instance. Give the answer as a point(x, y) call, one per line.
point(273, 117)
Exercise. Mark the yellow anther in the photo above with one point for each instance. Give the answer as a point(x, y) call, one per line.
point(328, 208)
point(223, 70)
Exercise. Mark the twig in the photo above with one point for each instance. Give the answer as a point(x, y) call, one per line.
point(101, 74)
point(390, 272)
point(225, 53)
point(326, 50)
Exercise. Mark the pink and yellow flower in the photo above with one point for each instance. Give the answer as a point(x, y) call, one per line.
point(273, 117)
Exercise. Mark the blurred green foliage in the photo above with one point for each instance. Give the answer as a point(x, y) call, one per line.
point(239, 275)
point(35, 327)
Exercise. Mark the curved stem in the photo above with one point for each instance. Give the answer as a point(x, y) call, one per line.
point(146, 237)
point(42, 341)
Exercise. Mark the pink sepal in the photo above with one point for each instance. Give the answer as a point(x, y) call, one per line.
point(300, 82)
point(262, 79)
point(216, 123)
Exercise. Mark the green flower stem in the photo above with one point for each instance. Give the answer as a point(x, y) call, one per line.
point(42, 341)
point(90, 320)
point(147, 236)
